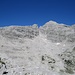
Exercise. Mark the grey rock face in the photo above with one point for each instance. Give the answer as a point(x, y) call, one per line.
point(15, 32)
point(58, 32)
point(68, 58)
point(53, 31)
point(29, 50)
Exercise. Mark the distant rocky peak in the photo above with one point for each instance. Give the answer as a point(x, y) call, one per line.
point(58, 32)
point(51, 22)
point(35, 26)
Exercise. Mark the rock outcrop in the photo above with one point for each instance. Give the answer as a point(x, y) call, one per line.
point(29, 50)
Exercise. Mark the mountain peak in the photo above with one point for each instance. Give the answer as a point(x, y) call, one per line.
point(29, 50)
point(51, 22)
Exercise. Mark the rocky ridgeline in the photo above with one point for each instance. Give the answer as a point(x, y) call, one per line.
point(53, 31)
point(58, 32)
point(15, 32)
point(37, 46)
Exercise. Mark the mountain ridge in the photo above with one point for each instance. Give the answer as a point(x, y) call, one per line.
point(29, 50)
point(50, 29)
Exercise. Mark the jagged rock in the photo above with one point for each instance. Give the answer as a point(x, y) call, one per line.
point(58, 32)
point(15, 32)
point(29, 50)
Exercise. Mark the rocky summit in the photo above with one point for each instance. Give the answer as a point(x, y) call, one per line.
point(33, 50)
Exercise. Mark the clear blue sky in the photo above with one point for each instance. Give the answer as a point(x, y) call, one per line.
point(28, 12)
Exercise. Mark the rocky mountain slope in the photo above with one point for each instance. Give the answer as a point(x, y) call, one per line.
point(29, 50)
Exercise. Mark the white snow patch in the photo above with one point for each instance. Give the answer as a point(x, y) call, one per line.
point(57, 43)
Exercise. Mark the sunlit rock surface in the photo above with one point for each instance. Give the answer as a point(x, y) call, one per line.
point(29, 50)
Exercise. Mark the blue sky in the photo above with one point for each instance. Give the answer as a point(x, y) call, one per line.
point(28, 12)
